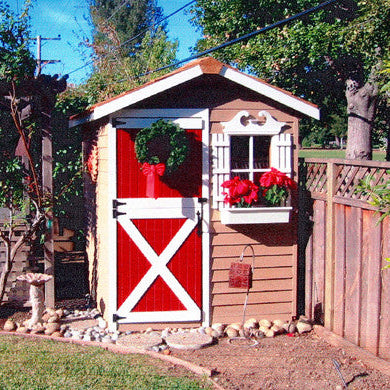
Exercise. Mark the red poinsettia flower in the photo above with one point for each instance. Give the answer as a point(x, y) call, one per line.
point(273, 177)
point(240, 192)
point(276, 186)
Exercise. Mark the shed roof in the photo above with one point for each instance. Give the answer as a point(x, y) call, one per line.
point(190, 71)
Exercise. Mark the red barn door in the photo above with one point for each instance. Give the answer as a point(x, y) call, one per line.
point(159, 241)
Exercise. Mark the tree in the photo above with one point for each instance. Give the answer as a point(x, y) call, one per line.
point(128, 18)
point(127, 43)
point(21, 96)
point(330, 55)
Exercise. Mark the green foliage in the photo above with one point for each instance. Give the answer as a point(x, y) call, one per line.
point(379, 193)
point(164, 142)
point(16, 60)
point(115, 73)
point(116, 20)
point(12, 178)
point(276, 195)
point(123, 51)
point(311, 57)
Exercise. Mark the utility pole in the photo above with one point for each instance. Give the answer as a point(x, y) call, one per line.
point(39, 52)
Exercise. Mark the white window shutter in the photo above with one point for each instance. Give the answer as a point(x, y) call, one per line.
point(220, 166)
point(281, 147)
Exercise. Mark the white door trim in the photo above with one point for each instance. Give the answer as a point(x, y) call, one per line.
point(189, 118)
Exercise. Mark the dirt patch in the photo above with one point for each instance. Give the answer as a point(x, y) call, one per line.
point(303, 362)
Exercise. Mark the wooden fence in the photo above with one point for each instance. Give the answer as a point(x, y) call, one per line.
point(343, 247)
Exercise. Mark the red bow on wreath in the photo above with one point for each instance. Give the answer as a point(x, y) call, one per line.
point(151, 171)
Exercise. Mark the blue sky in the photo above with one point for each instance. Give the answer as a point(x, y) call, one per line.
point(69, 19)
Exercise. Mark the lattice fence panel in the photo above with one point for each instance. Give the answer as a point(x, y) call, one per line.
point(316, 178)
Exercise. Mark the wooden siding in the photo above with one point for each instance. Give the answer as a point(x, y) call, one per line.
point(272, 294)
point(97, 204)
point(347, 288)
point(274, 291)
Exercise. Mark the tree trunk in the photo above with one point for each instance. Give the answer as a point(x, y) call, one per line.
point(361, 107)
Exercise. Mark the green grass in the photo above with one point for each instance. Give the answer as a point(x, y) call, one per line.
point(378, 155)
point(45, 364)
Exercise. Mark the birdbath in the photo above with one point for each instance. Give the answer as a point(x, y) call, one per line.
point(37, 296)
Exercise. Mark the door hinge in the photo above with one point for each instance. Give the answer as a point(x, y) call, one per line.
point(116, 318)
point(115, 205)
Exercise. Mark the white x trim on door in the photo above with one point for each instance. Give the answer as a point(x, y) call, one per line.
point(167, 208)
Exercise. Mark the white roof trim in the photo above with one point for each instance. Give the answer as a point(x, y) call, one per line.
point(139, 95)
point(270, 92)
point(188, 74)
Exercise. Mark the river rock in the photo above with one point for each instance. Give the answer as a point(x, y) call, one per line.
point(22, 329)
point(231, 332)
point(9, 326)
point(279, 323)
point(277, 329)
point(236, 326)
point(53, 318)
point(51, 328)
point(37, 328)
point(263, 329)
point(303, 327)
point(252, 323)
point(219, 327)
point(265, 323)
point(45, 317)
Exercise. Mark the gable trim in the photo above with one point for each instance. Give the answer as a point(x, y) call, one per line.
point(190, 72)
point(271, 92)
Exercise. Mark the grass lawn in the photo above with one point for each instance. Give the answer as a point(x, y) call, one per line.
point(45, 364)
point(378, 155)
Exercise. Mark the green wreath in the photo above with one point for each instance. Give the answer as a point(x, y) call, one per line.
point(162, 142)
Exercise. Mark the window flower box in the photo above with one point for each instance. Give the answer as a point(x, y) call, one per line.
point(255, 215)
point(248, 203)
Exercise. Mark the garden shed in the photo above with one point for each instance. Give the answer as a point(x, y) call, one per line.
point(160, 244)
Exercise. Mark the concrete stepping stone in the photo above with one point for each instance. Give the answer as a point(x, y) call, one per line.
point(188, 340)
point(140, 340)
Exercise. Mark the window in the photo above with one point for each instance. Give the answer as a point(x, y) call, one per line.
point(249, 156)
point(247, 149)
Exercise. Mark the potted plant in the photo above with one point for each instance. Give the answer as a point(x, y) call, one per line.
point(249, 203)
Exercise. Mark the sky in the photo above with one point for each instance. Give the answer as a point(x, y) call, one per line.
point(69, 20)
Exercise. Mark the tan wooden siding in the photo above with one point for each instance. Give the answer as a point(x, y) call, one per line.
point(97, 204)
point(272, 294)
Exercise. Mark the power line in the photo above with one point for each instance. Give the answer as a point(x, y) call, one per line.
point(244, 37)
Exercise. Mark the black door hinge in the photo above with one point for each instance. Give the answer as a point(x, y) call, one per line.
point(116, 318)
point(115, 205)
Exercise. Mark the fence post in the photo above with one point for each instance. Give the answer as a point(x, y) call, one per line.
point(330, 246)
